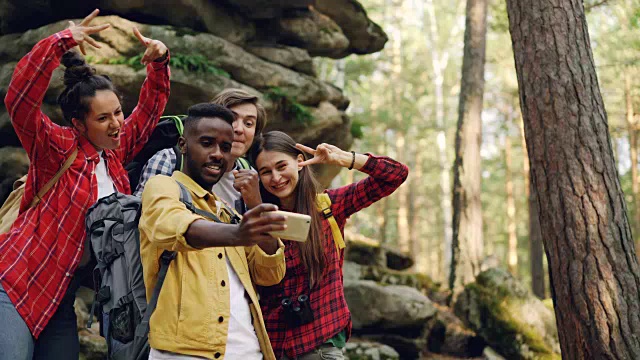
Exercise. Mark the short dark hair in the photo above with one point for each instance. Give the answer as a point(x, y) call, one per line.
point(202, 110)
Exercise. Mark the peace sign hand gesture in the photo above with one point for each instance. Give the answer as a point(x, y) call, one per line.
point(325, 154)
point(82, 31)
point(155, 48)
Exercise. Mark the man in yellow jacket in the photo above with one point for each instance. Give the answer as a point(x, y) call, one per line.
point(208, 307)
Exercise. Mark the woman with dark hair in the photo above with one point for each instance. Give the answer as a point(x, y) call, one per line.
point(45, 245)
point(314, 279)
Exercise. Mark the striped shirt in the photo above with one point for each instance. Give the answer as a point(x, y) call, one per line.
point(40, 253)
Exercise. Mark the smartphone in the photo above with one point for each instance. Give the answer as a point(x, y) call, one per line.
point(297, 226)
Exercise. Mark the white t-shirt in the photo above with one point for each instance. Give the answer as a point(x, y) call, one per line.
point(105, 183)
point(242, 341)
point(224, 188)
point(105, 188)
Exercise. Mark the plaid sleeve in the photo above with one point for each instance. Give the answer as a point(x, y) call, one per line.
point(140, 124)
point(385, 176)
point(25, 93)
point(162, 163)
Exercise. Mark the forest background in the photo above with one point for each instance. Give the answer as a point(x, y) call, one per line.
point(404, 103)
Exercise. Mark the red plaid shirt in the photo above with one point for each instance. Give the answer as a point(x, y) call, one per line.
point(327, 298)
point(40, 253)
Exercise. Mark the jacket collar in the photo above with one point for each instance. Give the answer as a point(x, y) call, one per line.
point(196, 189)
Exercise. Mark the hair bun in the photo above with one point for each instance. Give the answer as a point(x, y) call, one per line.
point(77, 68)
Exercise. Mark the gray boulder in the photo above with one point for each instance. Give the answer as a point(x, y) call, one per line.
point(387, 307)
point(359, 349)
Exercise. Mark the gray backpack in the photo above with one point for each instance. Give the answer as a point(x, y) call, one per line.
point(112, 231)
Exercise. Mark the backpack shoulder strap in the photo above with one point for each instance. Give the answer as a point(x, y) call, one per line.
point(142, 330)
point(323, 203)
point(54, 179)
point(243, 163)
point(187, 200)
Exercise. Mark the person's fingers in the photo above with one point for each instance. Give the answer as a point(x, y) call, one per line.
point(258, 210)
point(81, 46)
point(96, 29)
point(311, 161)
point(92, 42)
point(235, 173)
point(268, 228)
point(71, 24)
point(90, 17)
point(143, 40)
point(305, 149)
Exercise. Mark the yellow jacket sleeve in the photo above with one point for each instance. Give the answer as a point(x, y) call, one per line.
point(266, 270)
point(165, 219)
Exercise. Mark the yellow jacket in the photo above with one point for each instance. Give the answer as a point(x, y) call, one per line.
point(193, 299)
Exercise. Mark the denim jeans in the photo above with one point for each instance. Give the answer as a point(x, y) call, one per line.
point(322, 352)
point(58, 340)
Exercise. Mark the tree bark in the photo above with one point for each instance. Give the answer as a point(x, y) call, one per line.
point(593, 268)
point(467, 246)
point(536, 251)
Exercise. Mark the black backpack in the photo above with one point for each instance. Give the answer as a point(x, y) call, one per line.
point(164, 136)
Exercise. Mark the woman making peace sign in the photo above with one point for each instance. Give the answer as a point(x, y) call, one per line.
point(314, 268)
point(45, 246)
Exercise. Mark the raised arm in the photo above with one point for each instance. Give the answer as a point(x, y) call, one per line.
point(152, 101)
point(170, 225)
point(385, 176)
point(31, 78)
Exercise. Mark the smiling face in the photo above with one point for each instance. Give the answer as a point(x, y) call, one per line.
point(103, 121)
point(207, 150)
point(244, 127)
point(279, 175)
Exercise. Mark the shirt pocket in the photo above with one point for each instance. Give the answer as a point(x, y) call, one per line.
point(196, 298)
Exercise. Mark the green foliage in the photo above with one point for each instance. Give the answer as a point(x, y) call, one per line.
point(289, 106)
point(357, 129)
point(194, 63)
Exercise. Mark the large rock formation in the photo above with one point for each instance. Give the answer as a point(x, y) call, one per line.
point(265, 47)
point(334, 28)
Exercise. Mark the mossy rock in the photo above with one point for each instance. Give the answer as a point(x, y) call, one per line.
point(367, 253)
point(512, 321)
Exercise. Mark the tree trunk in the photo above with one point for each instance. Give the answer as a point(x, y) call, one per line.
point(633, 151)
point(467, 246)
point(593, 268)
point(419, 241)
point(403, 201)
point(512, 253)
point(439, 62)
point(536, 251)
point(382, 215)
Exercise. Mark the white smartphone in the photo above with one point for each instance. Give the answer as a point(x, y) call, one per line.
point(297, 226)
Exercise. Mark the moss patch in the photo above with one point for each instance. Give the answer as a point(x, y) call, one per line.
point(288, 105)
point(195, 63)
point(514, 338)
